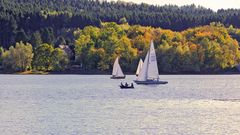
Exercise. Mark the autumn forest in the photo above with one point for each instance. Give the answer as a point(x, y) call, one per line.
point(57, 35)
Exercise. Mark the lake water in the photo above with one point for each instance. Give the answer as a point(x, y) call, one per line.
point(89, 105)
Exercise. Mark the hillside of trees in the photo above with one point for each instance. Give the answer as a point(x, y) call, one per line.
point(53, 21)
point(204, 49)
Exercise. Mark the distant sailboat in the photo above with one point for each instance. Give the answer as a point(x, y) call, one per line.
point(149, 72)
point(140, 64)
point(117, 71)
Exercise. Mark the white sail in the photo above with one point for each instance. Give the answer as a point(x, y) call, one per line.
point(117, 71)
point(152, 64)
point(150, 68)
point(143, 73)
point(140, 64)
point(114, 72)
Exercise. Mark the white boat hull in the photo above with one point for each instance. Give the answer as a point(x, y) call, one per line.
point(150, 82)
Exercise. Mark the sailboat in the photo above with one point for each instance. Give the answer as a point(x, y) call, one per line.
point(117, 71)
point(149, 72)
point(140, 64)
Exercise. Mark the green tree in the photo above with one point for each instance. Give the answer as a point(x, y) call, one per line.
point(42, 59)
point(1, 55)
point(59, 60)
point(18, 58)
point(86, 47)
point(102, 63)
point(125, 49)
point(36, 39)
point(82, 48)
point(47, 35)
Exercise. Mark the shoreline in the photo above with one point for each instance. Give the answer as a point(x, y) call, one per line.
point(102, 73)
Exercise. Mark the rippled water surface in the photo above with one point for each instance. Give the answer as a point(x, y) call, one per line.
point(89, 105)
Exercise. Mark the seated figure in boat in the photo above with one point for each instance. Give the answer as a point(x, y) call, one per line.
point(126, 86)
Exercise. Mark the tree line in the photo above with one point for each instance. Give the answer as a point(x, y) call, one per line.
point(53, 21)
point(23, 57)
point(205, 49)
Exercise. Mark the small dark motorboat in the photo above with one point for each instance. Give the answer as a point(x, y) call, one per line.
point(147, 82)
point(126, 86)
point(118, 77)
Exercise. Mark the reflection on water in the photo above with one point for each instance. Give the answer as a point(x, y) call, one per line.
point(75, 104)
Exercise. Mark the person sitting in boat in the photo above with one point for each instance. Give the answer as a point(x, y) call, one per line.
point(126, 84)
point(131, 84)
